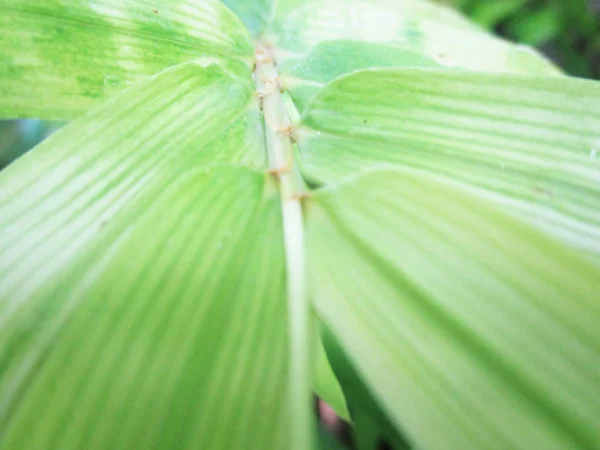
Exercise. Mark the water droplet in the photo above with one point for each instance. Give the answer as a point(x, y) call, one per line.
point(112, 80)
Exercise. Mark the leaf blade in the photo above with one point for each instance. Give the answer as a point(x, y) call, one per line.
point(404, 249)
point(124, 245)
point(61, 58)
point(165, 319)
point(524, 143)
point(416, 26)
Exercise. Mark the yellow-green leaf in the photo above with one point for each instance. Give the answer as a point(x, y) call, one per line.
point(142, 279)
point(60, 58)
point(471, 329)
point(528, 144)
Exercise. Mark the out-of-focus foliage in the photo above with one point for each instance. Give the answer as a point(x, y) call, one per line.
point(567, 30)
point(18, 136)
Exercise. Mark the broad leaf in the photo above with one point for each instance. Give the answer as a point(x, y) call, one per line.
point(305, 76)
point(125, 349)
point(527, 144)
point(153, 279)
point(471, 329)
point(412, 25)
point(59, 58)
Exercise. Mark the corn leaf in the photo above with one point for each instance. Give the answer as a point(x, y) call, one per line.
point(527, 144)
point(59, 58)
point(471, 329)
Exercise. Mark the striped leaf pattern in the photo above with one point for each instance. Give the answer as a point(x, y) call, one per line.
point(528, 144)
point(123, 349)
point(470, 328)
point(163, 334)
point(153, 275)
point(55, 199)
point(60, 58)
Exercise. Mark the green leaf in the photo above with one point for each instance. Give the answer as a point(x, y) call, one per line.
point(327, 441)
point(327, 386)
point(141, 263)
point(471, 329)
point(371, 423)
point(530, 145)
point(430, 10)
point(191, 114)
point(305, 76)
point(59, 58)
point(153, 279)
point(164, 332)
point(415, 26)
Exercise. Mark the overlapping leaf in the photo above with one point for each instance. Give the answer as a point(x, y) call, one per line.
point(471, 329)
point(317, 41)
point(528, 144)
point(326, 384)
point(59, 58)
point(305, 76)
point(415, 26)
point(141, 278)
point(142, 269)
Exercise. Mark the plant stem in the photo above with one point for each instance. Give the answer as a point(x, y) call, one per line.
point(281, 164)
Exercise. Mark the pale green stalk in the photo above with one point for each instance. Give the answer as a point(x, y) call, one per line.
point(281, 165)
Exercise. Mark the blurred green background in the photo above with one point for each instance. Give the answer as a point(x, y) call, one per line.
point(568, 31)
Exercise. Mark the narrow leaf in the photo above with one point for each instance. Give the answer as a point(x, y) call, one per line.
point(142, 278)
point(326, 385)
